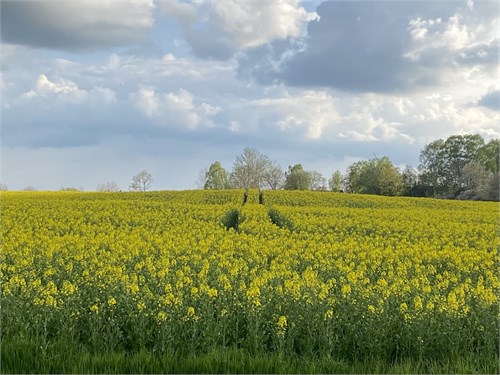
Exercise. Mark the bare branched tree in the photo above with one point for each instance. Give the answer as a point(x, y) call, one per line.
point(141, 181)
point(108, 187)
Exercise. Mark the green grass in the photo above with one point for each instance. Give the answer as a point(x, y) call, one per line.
point(30, 356)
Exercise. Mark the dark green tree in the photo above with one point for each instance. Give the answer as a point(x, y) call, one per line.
point(488, 155)
point(375, 176)
point(297, 178)
point(441, 162)
point(410, 181)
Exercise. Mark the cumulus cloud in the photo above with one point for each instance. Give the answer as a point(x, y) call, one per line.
point(176, 109)
point(466, 37)
point(67, 91)
point(76, 25)
point(119, 72)
point(307, 114)
point(218, 29)
point(320, 117)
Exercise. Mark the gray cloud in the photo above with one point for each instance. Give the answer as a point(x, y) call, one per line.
point(360, 46)
point(75, 25)
point(491, 100)
point(378, 46)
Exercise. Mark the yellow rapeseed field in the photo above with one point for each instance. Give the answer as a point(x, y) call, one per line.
point(303, 272)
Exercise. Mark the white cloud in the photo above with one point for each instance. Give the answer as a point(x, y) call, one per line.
point(252, 23)
point(421, 117)
point(177, 109)
point(66, 91)
point(441, 114)
point(217, 29)
point(146, 101)
point(429, 34)
point(317, 115)
point(320, 116)
point(234, 126)
point(463, 33)
point(310, 112)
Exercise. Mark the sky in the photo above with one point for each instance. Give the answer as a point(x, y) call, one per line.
point(96, 91)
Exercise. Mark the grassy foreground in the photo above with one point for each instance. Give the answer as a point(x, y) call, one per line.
point(29, 356)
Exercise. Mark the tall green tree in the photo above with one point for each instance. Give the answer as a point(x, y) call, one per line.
point(335, 182)
point(489, 155)
point(216, 177)
point(441, 162)
point(297, 178)
point(375, 176)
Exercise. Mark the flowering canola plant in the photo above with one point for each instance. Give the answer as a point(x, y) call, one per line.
point(304, 272)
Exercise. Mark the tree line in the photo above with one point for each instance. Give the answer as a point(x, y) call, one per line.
point(460, 167)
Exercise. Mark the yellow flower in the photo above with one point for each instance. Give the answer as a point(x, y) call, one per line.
point(51, 301)
point(141, 306)
point(403, 307)
point(67, 288)
point(111, 301)
point(282, 324)
point(417, 301)
point(328, 314)
point(161, 316)
point(346, 290)
point(212, 292)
